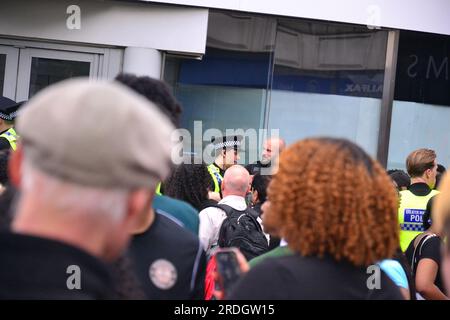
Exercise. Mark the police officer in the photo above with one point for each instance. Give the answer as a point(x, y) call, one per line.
point(422, 167)
point(8, 112)
point(226, 149)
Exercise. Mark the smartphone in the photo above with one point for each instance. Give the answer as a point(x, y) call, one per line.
point(228, 269)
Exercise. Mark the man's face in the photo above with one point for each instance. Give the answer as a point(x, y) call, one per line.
point(431, 175)
point(231, 157)
point(266, 152)
point(271, 149)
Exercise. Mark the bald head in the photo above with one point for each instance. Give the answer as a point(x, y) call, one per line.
point(235, 181)
point(272, 148)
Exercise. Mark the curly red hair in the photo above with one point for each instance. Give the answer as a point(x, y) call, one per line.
point(330, 197)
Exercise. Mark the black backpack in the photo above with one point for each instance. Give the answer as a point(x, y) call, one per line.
point(240, 229)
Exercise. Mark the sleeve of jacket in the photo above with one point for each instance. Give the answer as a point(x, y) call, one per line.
point(198, 275)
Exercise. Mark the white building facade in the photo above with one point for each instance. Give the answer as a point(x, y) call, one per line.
point(375, 72)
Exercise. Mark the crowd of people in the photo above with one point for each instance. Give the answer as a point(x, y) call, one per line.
point(92, 207)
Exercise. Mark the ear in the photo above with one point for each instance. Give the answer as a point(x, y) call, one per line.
point(15, 166)
point(138, 206)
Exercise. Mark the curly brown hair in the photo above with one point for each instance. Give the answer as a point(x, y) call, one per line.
point(330, 197)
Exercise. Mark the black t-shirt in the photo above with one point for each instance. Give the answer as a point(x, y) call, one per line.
point(169, 261)
point(419, 189)
point(431, 249)
point(295, 277)
point(255, 168)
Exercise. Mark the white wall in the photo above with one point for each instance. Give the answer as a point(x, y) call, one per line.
point(108, 23)
point(142, 62)
point(418, 15)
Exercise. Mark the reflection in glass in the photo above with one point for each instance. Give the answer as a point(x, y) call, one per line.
point(228, 88)
point(303, 78)
point(417, 125)
point(421, 109)
point(328, 80)
point(45, 72)
point(2, 71)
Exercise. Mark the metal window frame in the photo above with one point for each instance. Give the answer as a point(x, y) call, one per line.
point(25, 61)
point(109, 60)
point(10, 76)
point(388, 96)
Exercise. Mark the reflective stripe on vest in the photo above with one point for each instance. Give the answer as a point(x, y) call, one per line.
point(410, 215)
point(12, 136)
point(216, 176)
point(158, 189)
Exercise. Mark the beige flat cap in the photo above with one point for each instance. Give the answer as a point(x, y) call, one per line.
point(96, 134)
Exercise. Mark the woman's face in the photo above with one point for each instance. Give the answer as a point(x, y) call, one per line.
point(266, 216)
point(265, 207)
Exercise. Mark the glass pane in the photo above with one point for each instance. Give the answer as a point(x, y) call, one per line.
point(328, 81)
point(2, 71)
point(421, 109)
point(45, 72)
point(228, 88)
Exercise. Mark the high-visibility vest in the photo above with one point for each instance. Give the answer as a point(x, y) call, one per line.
point(410, 215)
point(216, 176)
point(158, 189)
point(12, 137)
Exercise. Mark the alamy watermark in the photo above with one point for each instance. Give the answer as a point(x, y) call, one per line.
point(198, 145)
point(74, 280)
point(373, 20)
point(73, 21)
point(374, 280)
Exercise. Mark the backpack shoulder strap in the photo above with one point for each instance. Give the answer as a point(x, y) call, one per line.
point(419, 247)
point(252, 212)
point(228, 210)
point(432, 235)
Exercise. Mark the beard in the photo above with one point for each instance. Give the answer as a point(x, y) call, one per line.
point(265, 160)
